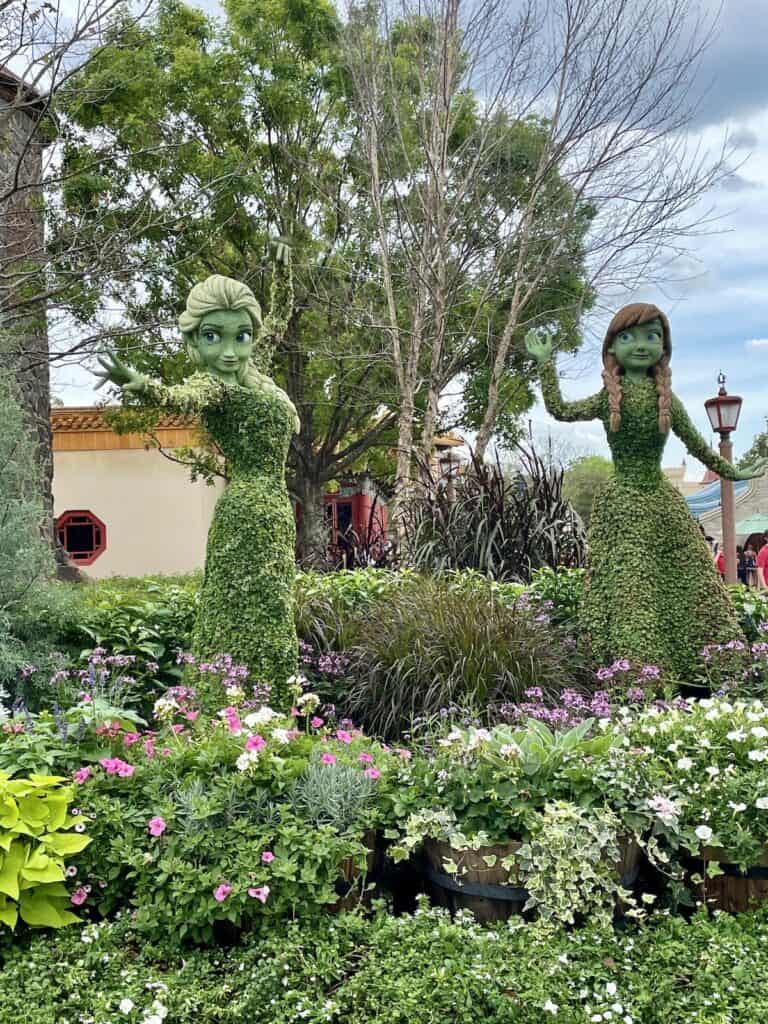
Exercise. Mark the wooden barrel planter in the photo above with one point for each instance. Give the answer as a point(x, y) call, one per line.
point(496, 893)
point(349, 883)
point(735, 890)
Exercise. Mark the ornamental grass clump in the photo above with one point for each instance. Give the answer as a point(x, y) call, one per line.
point(432, 646)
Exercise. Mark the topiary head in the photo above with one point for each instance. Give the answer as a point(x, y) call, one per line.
point(638, 341)
point(219, 326)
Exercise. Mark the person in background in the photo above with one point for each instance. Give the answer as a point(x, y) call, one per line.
point(741, 565)
point(720, 560)
point(750, 564)
point(762, 563)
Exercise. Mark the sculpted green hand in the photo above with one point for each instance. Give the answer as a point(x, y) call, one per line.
point(539, 346)
point(116, 372)
point(652, 592)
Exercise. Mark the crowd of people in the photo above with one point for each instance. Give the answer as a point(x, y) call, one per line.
point(751, 565)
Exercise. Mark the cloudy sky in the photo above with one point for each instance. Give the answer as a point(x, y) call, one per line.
point(719, 310)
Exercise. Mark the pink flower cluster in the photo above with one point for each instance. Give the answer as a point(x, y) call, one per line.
point(156, 826)
point(223, 891)
point(115, 766)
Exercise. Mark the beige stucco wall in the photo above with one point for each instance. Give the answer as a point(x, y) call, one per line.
point(157, 520)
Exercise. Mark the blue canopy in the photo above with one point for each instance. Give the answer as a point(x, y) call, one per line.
point(708, 498)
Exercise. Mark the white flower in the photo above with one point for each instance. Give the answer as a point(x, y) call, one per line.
point(737, 807)
point(159, 1009)
point(478, 736)
point(281, 735)
point(297, 680)
point(685, 764)
point(308, 702)
point(247, 760)
point(125, 1005)
point(261, 717)
point(762, 803)
point(736, 735)
point(165, 707)
point(235, 692)
point(551, 1007)
point(153, 1018)
point(704, 833)
point(712, 771)
point(610, 988)
point(508, 750)
point(759, 732)
point(757, 755)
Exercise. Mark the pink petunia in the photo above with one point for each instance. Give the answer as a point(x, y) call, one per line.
point(317, 722)
point(343, 736)
point(267, 857)
point(192, 716)
point(149, 747)
point(156, 826)
point(79, 896)
point(82, 774)
point(372, 773)
point(221, 892)
point(177, 728)
point(261, 894)
point(130, 738)
point(255, 743)
point(328, 759)
point(295, 712)
point(166, 752)
point(403, 753)
point(365, 758)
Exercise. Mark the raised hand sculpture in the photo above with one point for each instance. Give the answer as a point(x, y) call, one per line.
point(652, 592)
point(246, 601)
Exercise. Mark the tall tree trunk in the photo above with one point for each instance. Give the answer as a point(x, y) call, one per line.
point(312, 532)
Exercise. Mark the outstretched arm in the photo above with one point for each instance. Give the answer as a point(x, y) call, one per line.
point(280, 306)
point(583, 409)
point(192, 396)
point(699, 449)
point(540, 347)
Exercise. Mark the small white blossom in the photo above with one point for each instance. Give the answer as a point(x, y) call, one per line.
point(704, 833)
point(281, 735)
point(685, 764)
point(125, 1005)
point(737, 807)
point(757, 755)
point(762, 803)
point(551, 1007)
point(261, 717)
point(712, 771)
point(759, 732)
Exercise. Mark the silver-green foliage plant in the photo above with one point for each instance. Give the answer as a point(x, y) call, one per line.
point(338, 798)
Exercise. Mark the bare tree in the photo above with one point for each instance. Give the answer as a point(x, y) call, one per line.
point(42, 44)
point(611, 182)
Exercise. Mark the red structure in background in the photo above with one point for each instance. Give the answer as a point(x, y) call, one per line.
point(357, 524)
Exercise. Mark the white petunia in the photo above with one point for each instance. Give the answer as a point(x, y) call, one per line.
point(281, 735)
point(737, 807)
point(736, 735)
point(762, 803)
point(685, 764)
point(704, 833)
point(551, 1007)
point(759, 732)
point(712, 771)
point(610, 988)
point(126, 1005)
point(757, 755)
point(261, 717)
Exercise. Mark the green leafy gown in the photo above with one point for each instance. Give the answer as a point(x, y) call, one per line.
point(652, 591)
point(247, 597)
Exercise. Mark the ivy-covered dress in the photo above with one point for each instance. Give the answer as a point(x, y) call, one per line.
point(247, 597)
point(652, 592)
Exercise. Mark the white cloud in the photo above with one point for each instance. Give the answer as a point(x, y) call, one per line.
point(757, 343)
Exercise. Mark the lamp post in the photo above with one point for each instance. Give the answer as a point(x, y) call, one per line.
point(723, 412)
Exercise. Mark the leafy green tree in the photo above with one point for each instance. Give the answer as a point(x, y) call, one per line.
point(582, 480)
point(757, 450)
point(200, 142)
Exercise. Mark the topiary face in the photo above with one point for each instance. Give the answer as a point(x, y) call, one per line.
point(639, 348)
point(224, 342)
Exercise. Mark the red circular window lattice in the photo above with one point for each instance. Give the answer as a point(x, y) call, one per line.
point(82, 535)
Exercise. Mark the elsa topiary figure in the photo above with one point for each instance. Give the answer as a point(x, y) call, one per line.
point(652, 591)
point(246, 601)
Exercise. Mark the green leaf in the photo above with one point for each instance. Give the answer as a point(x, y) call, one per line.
point(12, 863)
point(41, 911)
point(66, 843)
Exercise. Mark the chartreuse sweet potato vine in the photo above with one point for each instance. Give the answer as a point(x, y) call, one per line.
point(36, 835)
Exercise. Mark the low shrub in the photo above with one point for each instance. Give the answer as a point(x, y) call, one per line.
point(435, 644)
point(421, 969)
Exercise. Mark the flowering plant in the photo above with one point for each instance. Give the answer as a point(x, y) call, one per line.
point(707, 774)
point(496, 782)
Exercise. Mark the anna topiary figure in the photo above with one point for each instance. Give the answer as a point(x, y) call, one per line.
point(652, 591)
point(246, 601)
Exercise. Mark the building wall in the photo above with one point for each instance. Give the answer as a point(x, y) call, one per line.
point(156, 519)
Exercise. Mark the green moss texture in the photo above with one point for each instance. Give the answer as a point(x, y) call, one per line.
point(247, 595)
point(652, 591)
